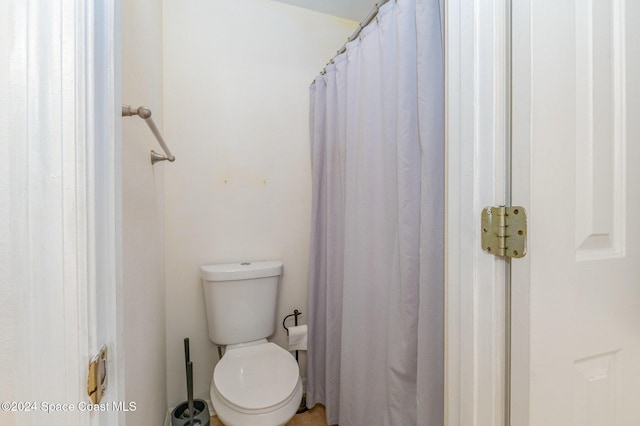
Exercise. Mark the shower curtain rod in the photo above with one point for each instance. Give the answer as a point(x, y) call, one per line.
point(370, 17)
point(145, 113)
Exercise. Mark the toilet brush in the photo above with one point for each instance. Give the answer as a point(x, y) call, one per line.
point(193, 412)
point(189, 368)
point(190, 391)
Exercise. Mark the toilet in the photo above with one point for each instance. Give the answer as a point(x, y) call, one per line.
point(256, 383)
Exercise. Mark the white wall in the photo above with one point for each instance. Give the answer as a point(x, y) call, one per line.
point(142, 227)
point(236, 77)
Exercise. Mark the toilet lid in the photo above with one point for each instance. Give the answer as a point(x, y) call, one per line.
point(256, 377)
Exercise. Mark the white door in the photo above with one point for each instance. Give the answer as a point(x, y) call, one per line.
point(576, 167)
point(58, 201)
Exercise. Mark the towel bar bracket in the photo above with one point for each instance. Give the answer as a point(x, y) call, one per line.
point(155, 157)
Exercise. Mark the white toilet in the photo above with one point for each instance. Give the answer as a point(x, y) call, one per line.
point(256, 383)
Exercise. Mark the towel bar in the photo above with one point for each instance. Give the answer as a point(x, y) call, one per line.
point(145, 113)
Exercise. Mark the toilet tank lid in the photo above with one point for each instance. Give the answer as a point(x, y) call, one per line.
point(241, 270)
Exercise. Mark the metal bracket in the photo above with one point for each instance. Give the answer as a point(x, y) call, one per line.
point(145, 113)
point(504, 231)
point(97, 380)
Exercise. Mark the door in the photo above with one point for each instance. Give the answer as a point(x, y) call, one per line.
point(576, 151)
point(59, 295)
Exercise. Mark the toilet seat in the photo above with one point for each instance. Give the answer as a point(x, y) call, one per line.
point(256, 379)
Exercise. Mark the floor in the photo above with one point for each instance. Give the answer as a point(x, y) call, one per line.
point(313, 417)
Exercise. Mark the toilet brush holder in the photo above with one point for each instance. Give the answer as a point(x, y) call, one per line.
point(192, 412)
point(180, 416)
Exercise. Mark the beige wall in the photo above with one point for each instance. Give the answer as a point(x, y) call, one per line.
point(143, 273)
point(236, 77)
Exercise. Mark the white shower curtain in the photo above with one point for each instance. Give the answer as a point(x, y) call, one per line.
point(376, 298)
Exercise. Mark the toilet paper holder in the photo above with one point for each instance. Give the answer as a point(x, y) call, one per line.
point(295, 315)
point(303, 403)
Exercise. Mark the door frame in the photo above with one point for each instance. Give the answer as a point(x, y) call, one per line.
point(521, 187)
point(477, 120)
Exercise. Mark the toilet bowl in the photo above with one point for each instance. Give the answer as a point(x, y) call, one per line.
point(256, 384)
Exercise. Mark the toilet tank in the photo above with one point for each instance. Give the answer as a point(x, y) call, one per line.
point(240, 300)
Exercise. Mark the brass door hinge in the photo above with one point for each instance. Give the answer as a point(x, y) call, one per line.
point(504, 231)
point(97, 380)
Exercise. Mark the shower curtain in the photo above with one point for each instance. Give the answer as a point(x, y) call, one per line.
point(376, 281)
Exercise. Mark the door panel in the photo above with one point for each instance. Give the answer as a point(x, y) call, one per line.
point(576, 72)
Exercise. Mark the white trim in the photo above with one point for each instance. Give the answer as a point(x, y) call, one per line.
point(102, 120)
point(476, 174)
point(521, 186)
point(115, 60)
